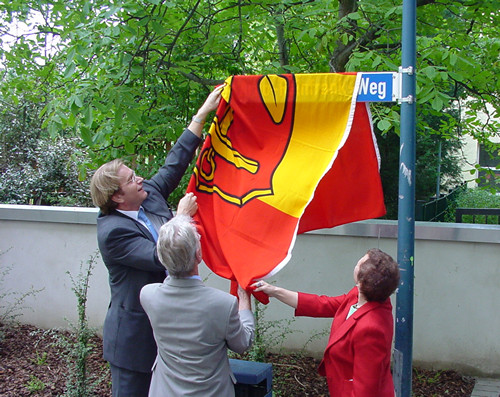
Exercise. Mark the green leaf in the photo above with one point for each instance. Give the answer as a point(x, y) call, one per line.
point(44, 110)
point(86, 136)
point(376, 61)
point(88, 116)
point(53, 129)
point(158, 28)
point(69, 71)
point(429, 71)
point(71, 121)
point(77, 100)
point(354, 15)
point(437, 103)
point(118, 118)
point(453, 59)
point(134, 116)
point(129, 147)
point(383, 125)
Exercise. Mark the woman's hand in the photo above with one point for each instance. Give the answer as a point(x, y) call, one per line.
point(290, 298)
point(262, 286)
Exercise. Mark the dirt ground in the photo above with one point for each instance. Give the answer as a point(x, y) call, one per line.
point(32, 364)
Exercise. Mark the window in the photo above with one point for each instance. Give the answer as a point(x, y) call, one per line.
point(490, 175)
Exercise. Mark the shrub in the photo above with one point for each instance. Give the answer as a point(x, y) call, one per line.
point(473, 198)
point(48, 175)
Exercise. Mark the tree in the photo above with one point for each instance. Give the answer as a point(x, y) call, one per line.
point(430, 167)
point(126, 76)
point(36, 168)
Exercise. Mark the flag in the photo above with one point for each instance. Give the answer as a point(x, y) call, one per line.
point(285, 154)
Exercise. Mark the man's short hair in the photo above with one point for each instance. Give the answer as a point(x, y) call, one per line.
point(177, 246)
point(378, 276)
point(104, 183)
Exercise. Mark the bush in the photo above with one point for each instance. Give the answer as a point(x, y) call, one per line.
point(48, 176)
point(473, 198)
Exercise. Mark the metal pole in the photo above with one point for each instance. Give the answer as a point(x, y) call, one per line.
point(438, 182)
point(406, 206)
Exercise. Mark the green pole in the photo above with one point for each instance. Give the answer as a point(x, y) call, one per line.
point(406, 206)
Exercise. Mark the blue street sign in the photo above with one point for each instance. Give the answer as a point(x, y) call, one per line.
point(379, 87)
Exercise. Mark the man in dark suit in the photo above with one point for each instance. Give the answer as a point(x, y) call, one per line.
point(127, 241)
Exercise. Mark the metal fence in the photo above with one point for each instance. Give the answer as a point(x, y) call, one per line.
point(435, 210)
point(478, 215)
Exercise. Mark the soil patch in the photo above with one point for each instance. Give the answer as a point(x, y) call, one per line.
point(32, 363)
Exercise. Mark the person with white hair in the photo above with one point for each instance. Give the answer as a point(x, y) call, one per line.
point(193, 324)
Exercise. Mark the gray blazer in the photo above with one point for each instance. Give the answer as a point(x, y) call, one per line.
point(129, 252)
point(194, 325)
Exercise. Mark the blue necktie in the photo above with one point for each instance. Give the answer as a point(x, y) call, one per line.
point(142, 216)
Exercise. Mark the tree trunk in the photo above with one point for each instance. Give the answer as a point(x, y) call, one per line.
point(342, 51)
point(282, 47)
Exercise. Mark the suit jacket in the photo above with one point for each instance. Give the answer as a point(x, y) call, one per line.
point(357, 357)
point(193, 326)
point(129, 252)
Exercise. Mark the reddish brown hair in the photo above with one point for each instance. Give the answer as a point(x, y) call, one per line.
point(378, 276)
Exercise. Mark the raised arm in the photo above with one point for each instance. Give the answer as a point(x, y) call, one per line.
point(241, 326)
point(244, 302)
point(211, 103)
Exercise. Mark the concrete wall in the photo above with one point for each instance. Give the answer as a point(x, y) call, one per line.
point(457, 280)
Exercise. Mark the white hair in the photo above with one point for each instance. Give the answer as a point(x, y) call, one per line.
point(177, 246)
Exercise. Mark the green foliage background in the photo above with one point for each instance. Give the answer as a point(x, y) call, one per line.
point(475, 198)
point(124, 77)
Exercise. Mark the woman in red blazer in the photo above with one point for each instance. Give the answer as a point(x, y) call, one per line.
point(357, 358)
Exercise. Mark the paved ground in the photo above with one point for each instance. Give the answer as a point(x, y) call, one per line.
point(486, 388)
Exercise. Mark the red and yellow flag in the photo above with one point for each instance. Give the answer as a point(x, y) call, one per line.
point(285, 154)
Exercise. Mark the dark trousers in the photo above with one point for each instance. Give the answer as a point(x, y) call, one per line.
point(126, 383)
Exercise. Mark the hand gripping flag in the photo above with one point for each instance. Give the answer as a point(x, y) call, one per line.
point(285, 154)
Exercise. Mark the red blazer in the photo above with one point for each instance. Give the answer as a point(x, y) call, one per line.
point(357, 359)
